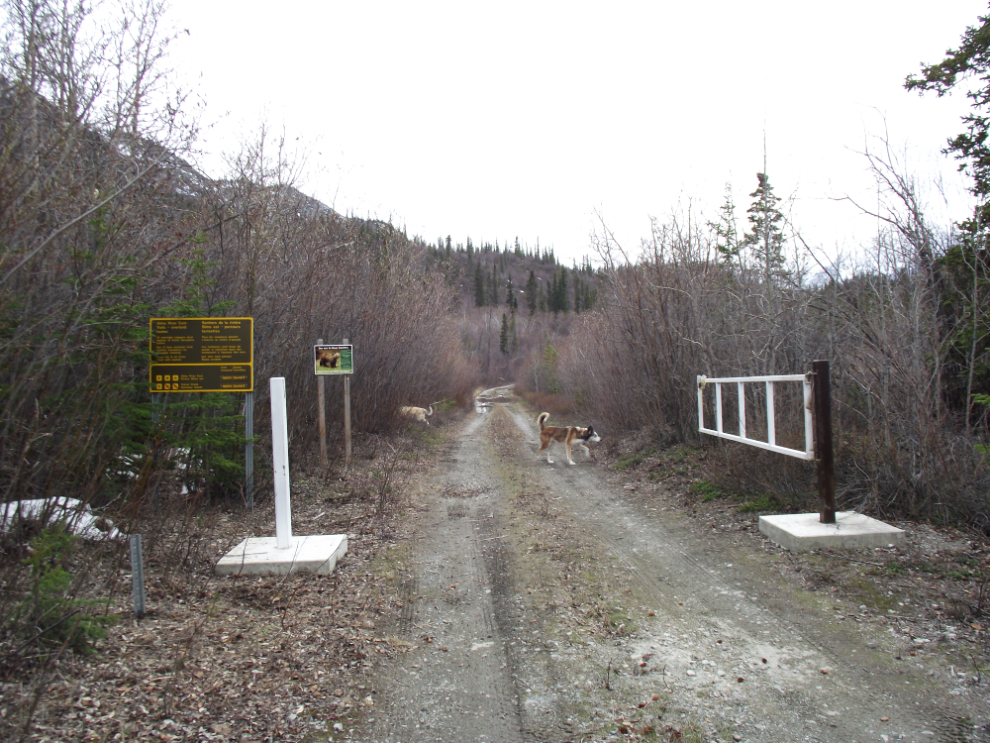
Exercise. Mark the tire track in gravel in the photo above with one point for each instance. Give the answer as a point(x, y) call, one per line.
point(457, 686)
point(515, 655)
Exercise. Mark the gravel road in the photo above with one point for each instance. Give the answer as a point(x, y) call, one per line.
point(544, 602)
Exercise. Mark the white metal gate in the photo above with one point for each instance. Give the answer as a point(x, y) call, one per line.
point(771, 442)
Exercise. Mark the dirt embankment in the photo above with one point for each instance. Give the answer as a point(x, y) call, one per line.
point(551, 602)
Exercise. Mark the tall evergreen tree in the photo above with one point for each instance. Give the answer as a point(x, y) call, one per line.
point(959, 278)
point(726, 236)
point(766, 238)
point(532, 293)
point(972, 147)
point(503, 336)
point(558, 299)
point(510, 295)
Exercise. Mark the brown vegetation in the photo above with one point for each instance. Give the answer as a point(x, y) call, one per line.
point(104, 225)
point(906, 440)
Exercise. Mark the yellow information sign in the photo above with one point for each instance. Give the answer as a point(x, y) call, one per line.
point(201, 354)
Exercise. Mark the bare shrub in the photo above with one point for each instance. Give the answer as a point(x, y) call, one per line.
point(903, 447)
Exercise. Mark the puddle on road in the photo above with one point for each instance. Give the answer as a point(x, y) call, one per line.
point(486, 399)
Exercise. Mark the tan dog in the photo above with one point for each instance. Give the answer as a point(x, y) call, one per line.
point(419, 414)
point(569, 435)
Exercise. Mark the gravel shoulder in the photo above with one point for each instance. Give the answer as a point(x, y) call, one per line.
point(550, 602)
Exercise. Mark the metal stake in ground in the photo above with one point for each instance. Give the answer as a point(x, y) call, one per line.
point(823, 441)
point(249, 449)
point(137, 575)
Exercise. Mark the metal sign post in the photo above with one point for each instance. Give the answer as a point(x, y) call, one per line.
point(249, 449)
point(137, 575)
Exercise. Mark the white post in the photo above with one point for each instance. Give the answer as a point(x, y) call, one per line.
point(771, 421)
point(280, 462)
point(742, 409)
point(718, 408)
point(809, 418)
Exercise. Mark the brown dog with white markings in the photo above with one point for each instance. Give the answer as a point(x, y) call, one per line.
point(568, 435)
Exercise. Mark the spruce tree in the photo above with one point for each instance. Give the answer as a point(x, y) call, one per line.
point(510, 295)
point(503, 336)
point(972, 147)
point(726, 236)
point(590, 295)
point(766, 237)
point(958, 278)
point(558, 299)
point(532, 293)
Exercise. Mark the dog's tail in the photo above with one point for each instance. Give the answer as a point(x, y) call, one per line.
point(542, 419)
point(430, 412)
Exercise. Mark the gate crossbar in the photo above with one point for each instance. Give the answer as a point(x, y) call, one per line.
point(741, 437)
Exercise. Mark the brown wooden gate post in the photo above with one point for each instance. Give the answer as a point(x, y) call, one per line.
point(823, 441)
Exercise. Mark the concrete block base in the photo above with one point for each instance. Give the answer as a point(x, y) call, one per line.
point(803, 531)
point(260, 556)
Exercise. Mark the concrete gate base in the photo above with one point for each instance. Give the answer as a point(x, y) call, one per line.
point(804, 531)
point(261, 556)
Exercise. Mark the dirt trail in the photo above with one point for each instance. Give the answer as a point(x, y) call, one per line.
point(541, 602)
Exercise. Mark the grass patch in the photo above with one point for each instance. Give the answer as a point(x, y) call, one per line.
point(760, 503)
point(962, 574)
point(427, 438)
point(677, 454)
point(892, 568)
point(631, 460)
point(867, 592)
point(707, 491)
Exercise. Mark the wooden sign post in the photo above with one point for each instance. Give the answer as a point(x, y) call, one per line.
point(322, 417)
point(347, 419)
point(332, 360)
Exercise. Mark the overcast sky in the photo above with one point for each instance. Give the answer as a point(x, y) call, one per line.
point(498, 120)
